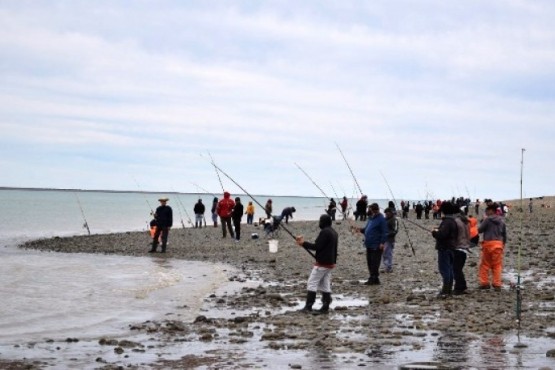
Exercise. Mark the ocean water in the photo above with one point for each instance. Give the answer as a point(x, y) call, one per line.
point(33, 214)
point(48, 295)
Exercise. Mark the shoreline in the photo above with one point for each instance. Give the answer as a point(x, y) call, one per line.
point(385, 325)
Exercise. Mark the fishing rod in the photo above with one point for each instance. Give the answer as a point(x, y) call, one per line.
point(86, 224)
point(217, 173)
point(349, 167)
point(178, 209)
point(418, 225)
point(184, 209)
point(254, 199)
point(518, 307)
point(310, 178)
point(402, 221)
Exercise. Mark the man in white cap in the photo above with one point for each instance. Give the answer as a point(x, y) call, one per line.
point(164, 221)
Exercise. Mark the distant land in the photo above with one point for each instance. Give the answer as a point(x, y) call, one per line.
point(141, 192)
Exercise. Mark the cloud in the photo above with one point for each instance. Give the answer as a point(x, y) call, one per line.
point(435, 95)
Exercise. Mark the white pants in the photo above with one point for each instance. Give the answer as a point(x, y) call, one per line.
point(320, 279)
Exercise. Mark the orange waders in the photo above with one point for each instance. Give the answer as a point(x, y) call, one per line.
point(492, 259)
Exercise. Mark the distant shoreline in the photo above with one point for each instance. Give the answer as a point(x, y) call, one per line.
point(145, 192)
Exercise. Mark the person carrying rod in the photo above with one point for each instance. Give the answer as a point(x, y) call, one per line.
point(325, 246)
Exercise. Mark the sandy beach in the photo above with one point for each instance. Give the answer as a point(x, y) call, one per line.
point(398, 322)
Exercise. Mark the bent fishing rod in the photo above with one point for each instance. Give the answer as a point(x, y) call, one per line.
point(350, 170)
point(250, 196)
point(397, 206)
point(86, 224)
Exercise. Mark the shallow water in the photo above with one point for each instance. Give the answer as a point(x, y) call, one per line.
point(55, 295)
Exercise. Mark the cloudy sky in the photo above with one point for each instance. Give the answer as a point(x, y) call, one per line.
point(438, 96)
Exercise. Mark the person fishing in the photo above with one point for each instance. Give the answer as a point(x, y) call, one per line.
point(164, 221)
point(325, 246)
point(360, 206)
point(268, 208)
point(460, 253)
point(236, 216)
point(199, 210)
point(392, 230)
point(446, 242)
point(214, 211)
point(344, 204)
point(225, 210)
point(332, 209)
point(250, 213)
point(375, 235)
point(494, 234)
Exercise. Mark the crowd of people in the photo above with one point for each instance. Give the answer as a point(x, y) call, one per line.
point(458, 231)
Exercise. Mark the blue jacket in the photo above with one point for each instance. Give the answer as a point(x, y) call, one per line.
point(375, 232)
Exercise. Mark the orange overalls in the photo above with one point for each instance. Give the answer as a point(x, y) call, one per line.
point(491, 259)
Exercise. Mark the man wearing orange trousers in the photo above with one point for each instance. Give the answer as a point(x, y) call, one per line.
point(494, 238)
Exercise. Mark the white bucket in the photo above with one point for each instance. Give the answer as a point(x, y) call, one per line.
point(273, 245)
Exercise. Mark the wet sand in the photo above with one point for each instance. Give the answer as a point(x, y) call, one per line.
point(400, 321)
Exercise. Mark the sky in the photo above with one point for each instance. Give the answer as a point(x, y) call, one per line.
point(425, 99)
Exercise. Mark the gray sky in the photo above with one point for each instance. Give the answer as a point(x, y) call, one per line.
point(439, 96)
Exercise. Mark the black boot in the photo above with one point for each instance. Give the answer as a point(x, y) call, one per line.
point(163, 248)
point(326, 301)
point(445, 292)
point(153, 249)
point(310, 299)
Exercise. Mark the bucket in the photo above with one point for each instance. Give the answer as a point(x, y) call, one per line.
point(273, 245)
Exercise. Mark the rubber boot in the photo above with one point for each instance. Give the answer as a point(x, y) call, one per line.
point(445, 291)
point(310, 299)
point(326, 301)
point(153, 249)
point(163, 248)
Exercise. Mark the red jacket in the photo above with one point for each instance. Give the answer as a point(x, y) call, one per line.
point(225, 206)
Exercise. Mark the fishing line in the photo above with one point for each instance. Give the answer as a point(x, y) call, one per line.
point(254, 199)
point(144, 196)
point(402, 220)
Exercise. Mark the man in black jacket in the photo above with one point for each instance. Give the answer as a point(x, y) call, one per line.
point(199, 213)
point(236, 216)
point(325, 246)
point(164, 221)
point(446, 236)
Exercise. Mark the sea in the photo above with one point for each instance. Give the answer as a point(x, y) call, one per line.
point(51, 296)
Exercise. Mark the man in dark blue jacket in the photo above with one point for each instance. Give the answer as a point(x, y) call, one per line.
point(375, 235)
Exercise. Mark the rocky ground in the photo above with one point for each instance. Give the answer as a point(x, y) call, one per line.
point(399, 321)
